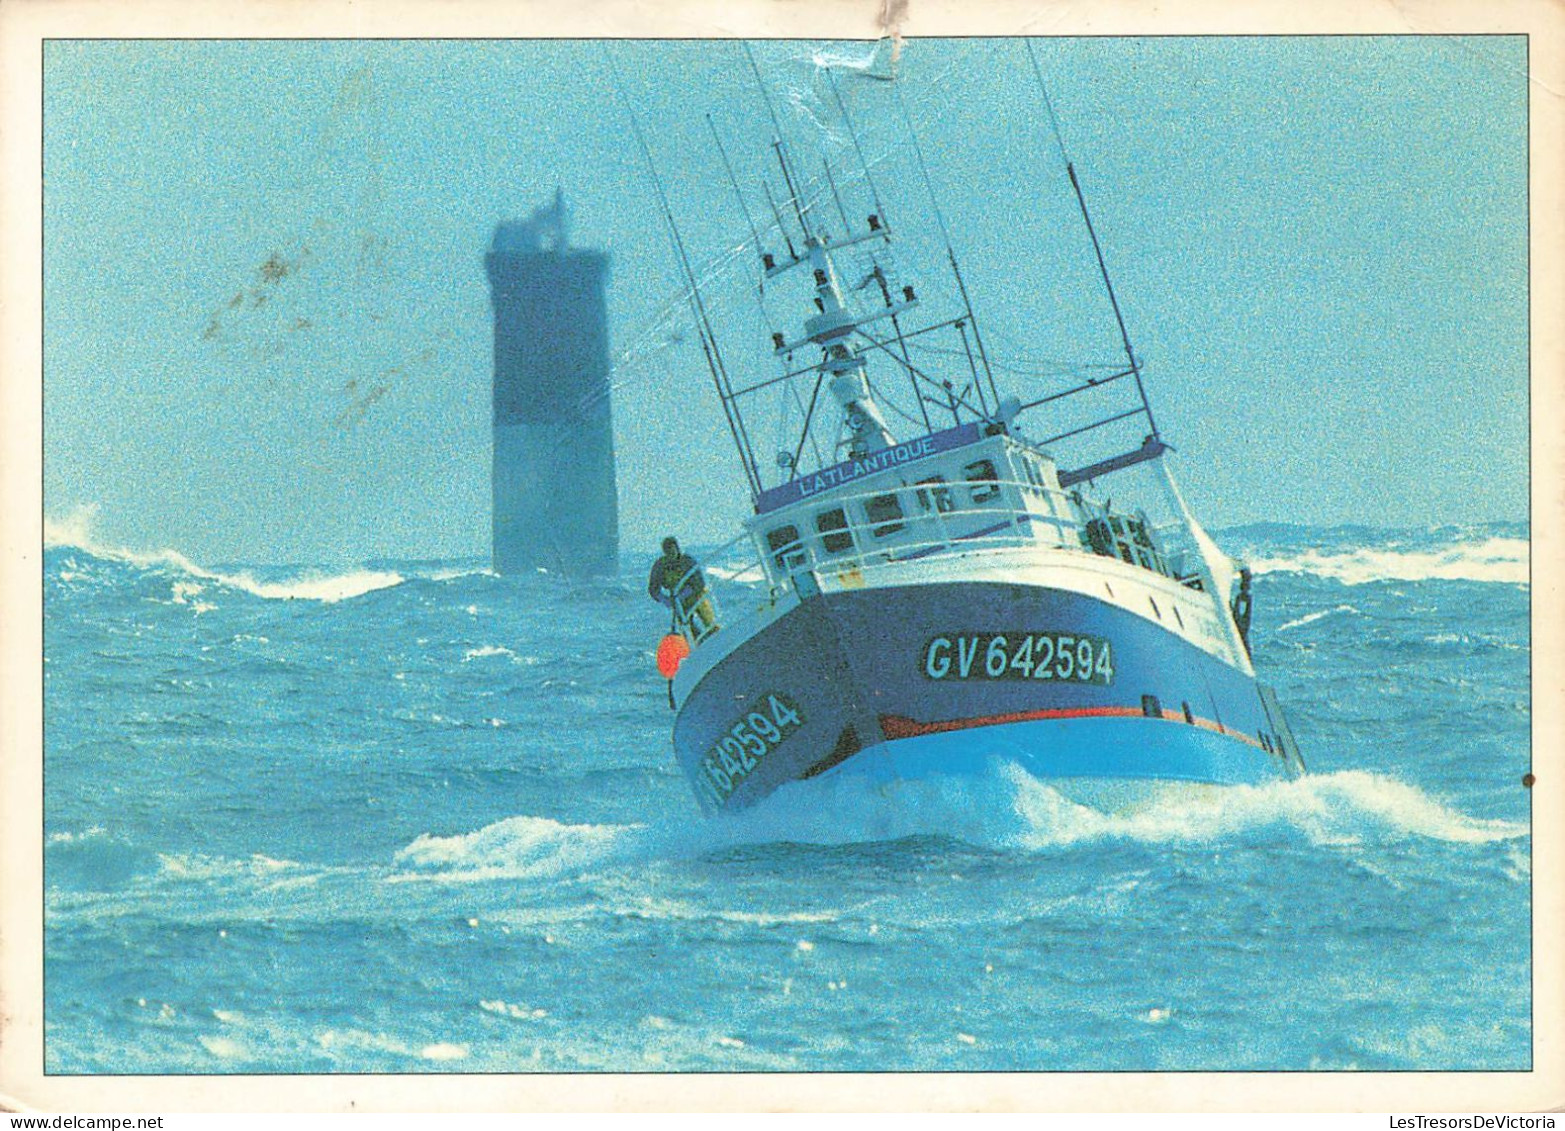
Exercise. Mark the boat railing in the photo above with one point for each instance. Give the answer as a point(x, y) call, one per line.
point(865, 531)
point(695, 609)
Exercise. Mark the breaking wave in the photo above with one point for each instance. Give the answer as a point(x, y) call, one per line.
point(518, 848)
point(1009, 808)
point(1348, 807)
point(1004, 809)
point(75, 532)
point(1311, 618)
point(1503, 560)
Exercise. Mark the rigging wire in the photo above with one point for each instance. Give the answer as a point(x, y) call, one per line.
point(945, 233)
point(708, 343)
point(1081, 199)
point(743, 207)
point(842, 110)
point(1048, 104)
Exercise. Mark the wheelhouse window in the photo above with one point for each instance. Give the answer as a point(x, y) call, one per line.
point(885, 514)
point(985, 483)
point(832, 526)
point(1031, 473)
point(787, 550)
point(934, 494)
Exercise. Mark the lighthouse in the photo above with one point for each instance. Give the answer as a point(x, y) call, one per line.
point(553, 473)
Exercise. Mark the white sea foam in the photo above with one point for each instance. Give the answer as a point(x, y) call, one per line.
point(512, 1009)
point(352, 1039)
point(1341, 808)
point(455, 572)
point(742, 575)
point(1494, 559)
point(662, 909)
point(1004, 808)
point(225, 1048)
point(315, 586)
point(486, 650)
point(518, 848)
point(75, 530)
point(1009, 808)
point(93, 832)
point(199, 866)
point(1311, 618)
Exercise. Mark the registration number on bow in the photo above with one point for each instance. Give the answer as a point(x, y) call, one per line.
point(770, 719)
point(1059, 656)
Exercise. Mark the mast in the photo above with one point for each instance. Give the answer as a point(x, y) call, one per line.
point(709, 347)
point(842, 366)
point(956, 270)
point(1152, 446)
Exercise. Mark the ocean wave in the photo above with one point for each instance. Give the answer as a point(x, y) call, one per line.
point(455, 573)
point(1503, 560)
point(1311, 618)
point(486, 650)
point(315, 586)
point(360, 1040)
point(224, 1048)
point(519, 847)
point(200, 866)
point(1347, 807)
point(1003, 809)
point(94, 859)
point(749, 575)
point(1007, 808)
point(75, 532)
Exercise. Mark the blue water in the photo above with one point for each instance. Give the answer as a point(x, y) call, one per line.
point(417, 817)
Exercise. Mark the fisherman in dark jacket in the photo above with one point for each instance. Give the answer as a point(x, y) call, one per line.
point(676, 580)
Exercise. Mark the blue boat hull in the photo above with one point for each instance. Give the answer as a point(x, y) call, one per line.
point(921, 679)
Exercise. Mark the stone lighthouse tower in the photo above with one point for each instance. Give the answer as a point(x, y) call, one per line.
point(553, 475)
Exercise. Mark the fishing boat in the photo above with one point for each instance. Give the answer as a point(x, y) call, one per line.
point(952, 592)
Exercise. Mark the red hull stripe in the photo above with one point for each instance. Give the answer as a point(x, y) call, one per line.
point(900, 726)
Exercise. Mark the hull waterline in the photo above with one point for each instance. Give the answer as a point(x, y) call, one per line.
point(915, 680)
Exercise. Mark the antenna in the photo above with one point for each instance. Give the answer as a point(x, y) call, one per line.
point(956, 270)
point(714, 358)
point(800, 207)
point(777, 216)
point(1070, 171)
point(832, 181)
point(842, 109)
point(761, 86)
point(729, 169)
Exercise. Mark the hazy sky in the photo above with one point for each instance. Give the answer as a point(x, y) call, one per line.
point(267, 331)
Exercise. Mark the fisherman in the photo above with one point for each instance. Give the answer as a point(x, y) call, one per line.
point(676, 580)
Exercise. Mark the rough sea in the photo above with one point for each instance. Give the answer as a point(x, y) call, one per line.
point(416, 817)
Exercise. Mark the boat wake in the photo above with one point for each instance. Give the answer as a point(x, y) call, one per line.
point(1006, 810)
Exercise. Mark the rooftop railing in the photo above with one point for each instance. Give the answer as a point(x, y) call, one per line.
point(862, 531)
point(870, 530)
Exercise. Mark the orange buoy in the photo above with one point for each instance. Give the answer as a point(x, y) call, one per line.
point(671, 650)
